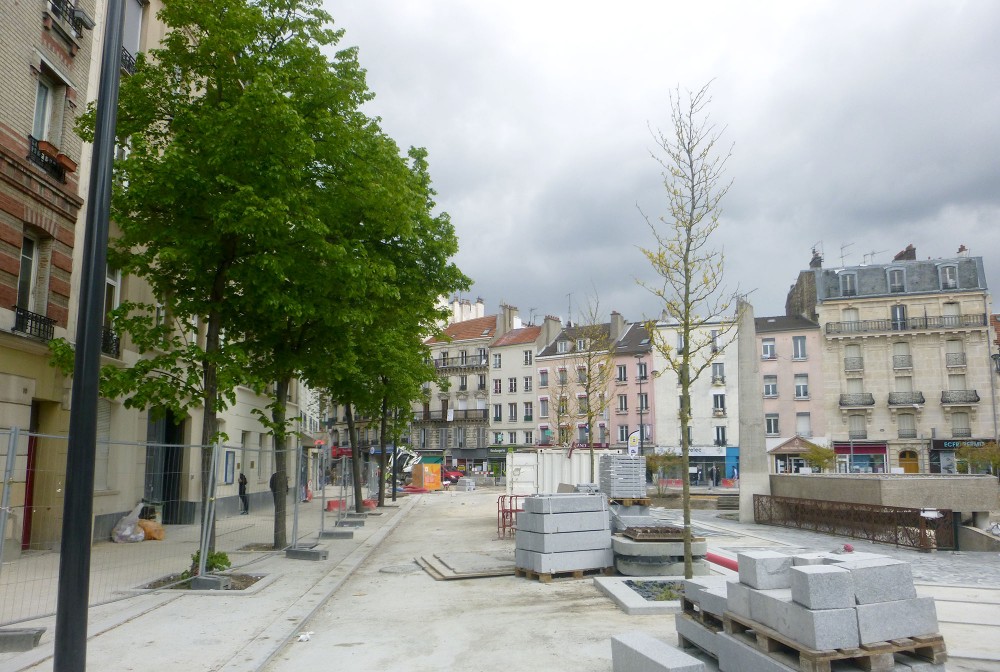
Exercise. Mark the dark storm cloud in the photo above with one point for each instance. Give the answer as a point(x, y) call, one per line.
point(859, 128)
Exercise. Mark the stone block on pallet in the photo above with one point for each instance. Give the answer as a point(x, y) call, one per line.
point(696, 633)
point(627, 546)
point(762, 607)
point(738, 598)
point(907, 663)
point(565, 503)
point(713, 601)
point(552, 563)
point(764, 570)
point(737, 656)
point(882, 621)
point(551, 523)
point(563, 541)
point(881, 580)
point(639, 652)
point(819, 629)
point(822, 587)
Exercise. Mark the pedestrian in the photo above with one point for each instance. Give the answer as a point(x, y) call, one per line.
point(717, 476)
point(244, 501)
point(736, 475)
point(698, 476)
point(711, 477)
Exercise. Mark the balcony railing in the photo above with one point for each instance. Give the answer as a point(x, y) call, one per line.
point(902, 361)
point(857, 399)
point(959, 397)
point(459, 363)
point(33, 324)
point(480, 414)
point(912, 323)
point(64, 10)
point(718, 412)
point(110, 342)
point(854, 363)
point(961, 433)
point(856, 434)
point(907, 433)
point(954, 359)
point(528, 418)
point(905, 398)
point(44, 161)
point(128, 61)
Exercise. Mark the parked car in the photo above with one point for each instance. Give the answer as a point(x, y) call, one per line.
point(450, 476)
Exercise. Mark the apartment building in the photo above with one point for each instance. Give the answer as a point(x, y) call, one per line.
point(633, 393)
point(713, 432)
point(791, 356)
point(907, 366)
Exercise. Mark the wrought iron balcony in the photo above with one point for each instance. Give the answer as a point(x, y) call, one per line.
point(907, 433)
point(461, 363)
point(954, 359)
point(718, 380)
point(909, 324)
point(857, 399)
point(110, 342)
point(959, 397)
point(128, 61)
point(528, 418)
point(857, 434)
point(854, 363)
point(44, 161)
point(902, 361)
point(905, 398)
point(33, 324)
point(961, 433)
point(478, 414)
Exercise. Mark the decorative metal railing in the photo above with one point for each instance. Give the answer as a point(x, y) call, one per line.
point(460, 363)
point(905, 398)
point(456, 414)
point(854, 363)
point(902, 361)
point(857, 399)
point(43, 160)
point(128, 61)
point(959, 397)
point(894, 525)
point(111, 343)
point(939, 322)
point(33, 324)
point(954, 359)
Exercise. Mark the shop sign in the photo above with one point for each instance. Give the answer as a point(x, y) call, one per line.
point(956, 444)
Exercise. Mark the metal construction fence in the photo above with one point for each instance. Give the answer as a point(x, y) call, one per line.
point(912, 528)
point(156, 486)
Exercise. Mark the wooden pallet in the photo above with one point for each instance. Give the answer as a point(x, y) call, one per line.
point(548, 577)
point(703, 618)
point(876, 657)
point(630, 501)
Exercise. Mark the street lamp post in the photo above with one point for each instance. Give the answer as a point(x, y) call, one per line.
point(641, 375)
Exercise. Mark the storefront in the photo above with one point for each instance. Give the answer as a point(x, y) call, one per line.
point(491, 461)
point(787, 457)
point(857, 457)
point(944, 453)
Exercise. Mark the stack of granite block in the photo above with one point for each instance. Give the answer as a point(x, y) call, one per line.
point(862, 605)
point(623, 476)
point(658, 557)
point(563, 533)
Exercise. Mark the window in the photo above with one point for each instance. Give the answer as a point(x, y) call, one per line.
point(798, 347)
point(26, 276)
point(512, 412)
point(512, 438)
point(770, 386)
point(581, 344)
point(623, 402)
point(853, 361)
point(527, 383)
point(562, 377)
point(512, 384)
point(584, 405)
point(621, 375)
point(543, 378)
point(680, 344)
point(719, 404)
point(897, 284)
point(497, 412)
point(444, 358)
point(563, 406)
point(623, 433)
point(647, 433)
point(949, 277)
point(898, 317)
point(529, 437)
point(482, 381)
point(463, 383)
point(641, 370)
point(50, 94)
point(956, 381)
point(643, 402)
point(901, 356)
point(527, 357)
point(907, 425)
point(482, 356)
point(581, 375)
point(498, 438)
point(497, 386)
point(771, 424)
point(767, 350)
point(528, 411)
point(562, 347)
point(718, 372)
point(564, 435)
point(720, 435)
point(716, 340)
point(803, 425)
point(951, 314)
point(960, 425)
point(496, 360)
point(801, 386)
point(132, 32)
point(848, 284)
point(954, 353)
point(856, 428)
point(543, 408)
point(463, 357)
point(581, 434)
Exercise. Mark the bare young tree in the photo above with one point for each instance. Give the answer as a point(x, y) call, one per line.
point(594, 363)
point(690, 271)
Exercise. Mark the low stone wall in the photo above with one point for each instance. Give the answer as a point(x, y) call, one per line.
point(960, 493)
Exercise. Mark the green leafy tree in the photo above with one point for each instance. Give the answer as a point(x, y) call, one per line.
point(986, 456)
point(690, 271)
point(820, 458)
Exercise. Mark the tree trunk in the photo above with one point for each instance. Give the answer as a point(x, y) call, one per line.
point(279, 480)
point(352, 431)
point(381, 452)
point(209, 419)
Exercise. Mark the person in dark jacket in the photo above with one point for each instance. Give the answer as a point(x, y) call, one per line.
point(244, 500)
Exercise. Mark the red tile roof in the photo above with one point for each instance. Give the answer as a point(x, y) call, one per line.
point(523, 335)
point(480, 327)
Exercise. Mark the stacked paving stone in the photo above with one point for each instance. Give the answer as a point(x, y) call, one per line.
point(813, 604)
point(623, 476)
point(563, 533)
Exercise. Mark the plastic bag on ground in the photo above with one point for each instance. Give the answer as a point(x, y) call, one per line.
point(127, 529)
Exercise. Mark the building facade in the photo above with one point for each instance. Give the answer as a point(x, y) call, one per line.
point(906, 368)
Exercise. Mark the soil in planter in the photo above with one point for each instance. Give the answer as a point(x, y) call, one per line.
point(657, 591)
point(236, 582)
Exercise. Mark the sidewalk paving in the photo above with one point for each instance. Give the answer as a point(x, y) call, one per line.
point(370, 607)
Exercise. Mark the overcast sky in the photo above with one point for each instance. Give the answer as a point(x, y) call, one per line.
point(857, 127)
